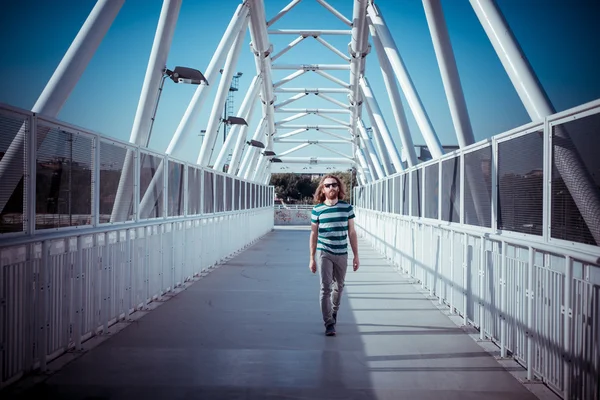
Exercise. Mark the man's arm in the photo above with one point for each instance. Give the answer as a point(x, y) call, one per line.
point(353, 243)
point(314, 233)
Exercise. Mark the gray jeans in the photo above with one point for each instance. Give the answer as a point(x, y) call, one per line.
point(332, 269)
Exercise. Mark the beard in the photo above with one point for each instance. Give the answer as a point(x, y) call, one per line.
point(331, 195)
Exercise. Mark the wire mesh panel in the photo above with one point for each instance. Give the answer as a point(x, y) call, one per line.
point(405, 194)
point(396, 198)
point(450, 196)
point(576, 189)
point(521, 184)
point(63, 179)
point(243, 199)
point(14, 129)
point(209, 206)
point(228, 193)
point(219, 192)
point(415, 193)
point(112, 160)
point(390, 195)
point(152, 183)
point(431, 191)
point(194, 190)
point(236, 196)
point(175, 186)
point(478, 187)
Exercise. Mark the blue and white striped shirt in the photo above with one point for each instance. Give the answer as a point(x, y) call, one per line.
point(333, 226)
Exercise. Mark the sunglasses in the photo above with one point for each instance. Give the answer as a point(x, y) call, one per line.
point(328, 185)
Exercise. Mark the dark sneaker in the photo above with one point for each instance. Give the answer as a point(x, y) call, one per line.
point(330, 330)
point(334, 315)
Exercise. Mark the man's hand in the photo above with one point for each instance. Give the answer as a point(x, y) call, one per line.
point(313, 266)
point(355, 264)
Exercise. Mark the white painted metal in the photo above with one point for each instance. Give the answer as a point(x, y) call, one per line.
point(337, 121)
point(332, 48)
point(249, 153)
point(288, 47)
point(262, 51)
point(311, 90)
point(240, 144)
point(184, 129)
point(334, 101)
point(414, 102)
point(293, 150)
point(449, 72)
point(142, 123)
point(317, 160)
point(370, 152)
point(238, 133)
point(294, 117)
point(328, 148)
point(312, 110)
point(283, 11)
point(315, 127)
point(59, 87)
point(327, 141)
point(379, 143)
point(378, 120)
point(362, 161)
point(332, 78)
point(289, 78)
point(312, 67)
point(394, 95)
point(335, 12)
point(215, 119)
point(309, 32)
point(290, 100)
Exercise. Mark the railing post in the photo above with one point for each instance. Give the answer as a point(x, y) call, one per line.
point(482, 290)
point(43, 304)
point(530, 310)
point(96, 181)
point(465, 278)
point(503, 303)
point(567, 312)
point(31, 173)
point(452, 308)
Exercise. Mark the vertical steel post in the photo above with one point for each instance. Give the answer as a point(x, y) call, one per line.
point(567, 328)
point(530, 313)
point(503, 302)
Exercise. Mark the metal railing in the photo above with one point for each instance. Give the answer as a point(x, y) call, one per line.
point(70, 270)
point(497, 255)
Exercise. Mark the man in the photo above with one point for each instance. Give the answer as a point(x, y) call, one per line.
point(332, 224)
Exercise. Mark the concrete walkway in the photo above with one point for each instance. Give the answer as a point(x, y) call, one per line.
point(252, 329)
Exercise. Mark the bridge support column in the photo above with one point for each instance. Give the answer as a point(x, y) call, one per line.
point(414, 102)
point(142, 123)
point(378, 120)
point(214, 120)
point(395, 100)
point(370, 152)
point(238, 133)
point(449, 72)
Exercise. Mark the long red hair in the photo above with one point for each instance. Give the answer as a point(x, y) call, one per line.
point(319, 196)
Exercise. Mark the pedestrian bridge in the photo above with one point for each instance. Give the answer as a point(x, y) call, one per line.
point(127, 271)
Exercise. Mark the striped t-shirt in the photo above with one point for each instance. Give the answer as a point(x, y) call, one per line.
point(333, 226)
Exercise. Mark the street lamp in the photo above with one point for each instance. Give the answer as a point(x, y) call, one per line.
point(178, 75)
point(228, 121)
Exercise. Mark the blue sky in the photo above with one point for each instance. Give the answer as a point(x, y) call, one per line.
point(560, 38)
